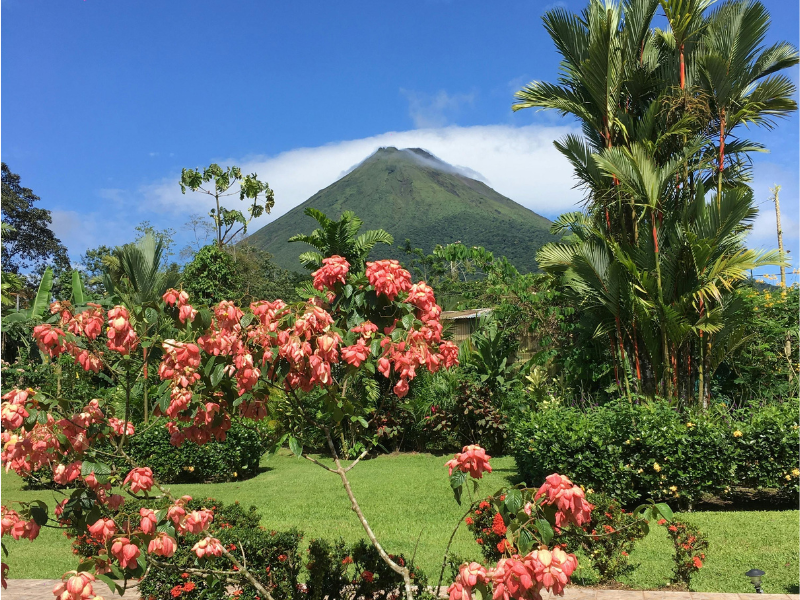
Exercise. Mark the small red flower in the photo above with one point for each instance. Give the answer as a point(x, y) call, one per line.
point(672, 528)
point(188, 586)
point(347, 560)
point(367, 576)
point(469, 521)
point(498, 526)
point(697, 562)
point(282, 558)
point(662, 521)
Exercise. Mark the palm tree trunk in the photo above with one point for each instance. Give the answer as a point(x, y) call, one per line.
point(144, 396)
point(683, 69)
point(665, 358)
point(721, 157)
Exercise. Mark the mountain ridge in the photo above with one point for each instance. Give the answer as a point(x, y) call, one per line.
point(415, 195)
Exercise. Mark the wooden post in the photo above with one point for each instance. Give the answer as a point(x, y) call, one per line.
point(775, 191)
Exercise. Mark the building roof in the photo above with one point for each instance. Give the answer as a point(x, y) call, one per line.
point(455, 315)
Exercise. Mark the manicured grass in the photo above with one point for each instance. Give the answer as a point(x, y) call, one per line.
point(408, 501)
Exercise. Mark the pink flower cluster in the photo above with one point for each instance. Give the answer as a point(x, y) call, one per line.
point(472, 460)
point(75, 586)
point(525, 577)
point(121, 336)
point(334, 270)
point(468, 577)
point(388, 278)
point(185, 311)
point(568, 498)
point(17, 527)
point(207, 547)
point(140, 479)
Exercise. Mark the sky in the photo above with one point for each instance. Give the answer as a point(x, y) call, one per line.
point(105, 101)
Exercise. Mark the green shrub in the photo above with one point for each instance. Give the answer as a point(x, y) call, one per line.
point(238, 456)
point(766, 442)
point(629, 451)
point(337, 571)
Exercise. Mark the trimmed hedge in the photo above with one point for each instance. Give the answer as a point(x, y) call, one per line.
point(238, 456)
point(638, 451)
point(767, 449)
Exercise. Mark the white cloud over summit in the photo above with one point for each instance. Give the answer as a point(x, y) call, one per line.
point(519, 162)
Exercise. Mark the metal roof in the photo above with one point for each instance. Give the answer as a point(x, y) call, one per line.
point(455, 315)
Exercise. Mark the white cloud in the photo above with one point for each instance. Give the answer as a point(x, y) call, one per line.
point(518, 162)
point(435, 110)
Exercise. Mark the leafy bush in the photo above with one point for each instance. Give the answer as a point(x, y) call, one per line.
point(337, 571)
point(766, 443)
point(212, 276)
point(476, 417)
point(629, 451)
point(238, 456)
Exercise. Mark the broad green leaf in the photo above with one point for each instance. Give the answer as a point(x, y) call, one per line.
point(78, 294)
point(457, 479)
point(295, 446)
point(43, 294)
point(525, 541)
point(513, 501)
point(216, 374)
point(665, 511)
point(545, 530)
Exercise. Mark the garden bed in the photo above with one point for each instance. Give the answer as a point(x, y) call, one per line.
point(411, 505)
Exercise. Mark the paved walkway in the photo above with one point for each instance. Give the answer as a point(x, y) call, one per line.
point(42, 589)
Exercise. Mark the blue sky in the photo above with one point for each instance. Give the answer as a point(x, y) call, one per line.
point(105, 101)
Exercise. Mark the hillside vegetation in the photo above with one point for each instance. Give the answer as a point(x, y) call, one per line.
point(413, 195)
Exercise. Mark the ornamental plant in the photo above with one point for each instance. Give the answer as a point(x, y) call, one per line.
point(219, 362)
point(690, 549)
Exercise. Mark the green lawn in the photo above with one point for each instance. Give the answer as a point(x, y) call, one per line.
point(407, 497)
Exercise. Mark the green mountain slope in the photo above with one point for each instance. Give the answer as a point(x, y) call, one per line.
point(412, 194)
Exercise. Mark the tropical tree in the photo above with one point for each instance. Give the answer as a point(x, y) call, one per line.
point(137, 278)
point(28, 238)
point(339, 238)
point(228, 223)
point(656, 108)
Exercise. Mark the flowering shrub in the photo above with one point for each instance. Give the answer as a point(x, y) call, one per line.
point(220, 362)
point(690, 549)
point(608, 538)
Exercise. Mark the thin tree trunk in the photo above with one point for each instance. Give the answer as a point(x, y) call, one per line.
point(775, 191)
point(721, 157)
point(144, 395)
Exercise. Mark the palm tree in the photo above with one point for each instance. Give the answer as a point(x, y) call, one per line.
point(137, 277)
point(739, 75)
point(651, 104)
point(339, 238)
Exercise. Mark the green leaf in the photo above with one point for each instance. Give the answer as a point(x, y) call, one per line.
point(78, 294)
point(457, 479)
point(513, 501)
point(39, 515)
point(545, 530)
point(97, 468)
point(525, 541)
point(216, 374)
point(110, 582)
point(408, 321)
point(295, 446)
point(665, 511)
point(43, 294)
